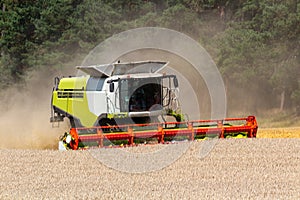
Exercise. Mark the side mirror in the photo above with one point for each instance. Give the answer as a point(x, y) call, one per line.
point(112, 87)
point(175, 80)
point(56, 82)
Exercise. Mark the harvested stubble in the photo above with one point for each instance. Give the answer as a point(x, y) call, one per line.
point(234, 169)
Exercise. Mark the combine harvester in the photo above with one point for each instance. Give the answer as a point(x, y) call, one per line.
point(124, 104)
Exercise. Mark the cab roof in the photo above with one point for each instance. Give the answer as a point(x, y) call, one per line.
point(108, 70)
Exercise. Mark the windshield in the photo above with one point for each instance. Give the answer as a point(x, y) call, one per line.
point(140, 94)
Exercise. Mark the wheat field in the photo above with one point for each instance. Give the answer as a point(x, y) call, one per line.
point(293, 132)
point(258, 168)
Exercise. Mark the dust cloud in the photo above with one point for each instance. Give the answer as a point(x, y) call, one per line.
point(25, 114)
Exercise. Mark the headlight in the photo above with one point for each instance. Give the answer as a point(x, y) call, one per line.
point(68, 139)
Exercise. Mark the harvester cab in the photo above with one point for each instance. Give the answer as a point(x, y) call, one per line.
point(120, 93)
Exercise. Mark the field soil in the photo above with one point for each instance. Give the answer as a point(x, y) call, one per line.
point(260, 168)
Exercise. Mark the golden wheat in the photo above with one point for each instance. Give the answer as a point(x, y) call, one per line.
point(279, 133)
point(234, 169)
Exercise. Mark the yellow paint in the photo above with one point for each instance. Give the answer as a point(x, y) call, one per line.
point(77, 107)
point(73, 83)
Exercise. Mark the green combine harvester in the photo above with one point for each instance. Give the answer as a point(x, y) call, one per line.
point(129, 103)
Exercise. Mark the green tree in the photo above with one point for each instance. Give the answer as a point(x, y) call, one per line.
point(180, 18)
point(17, 37)
point(263, 44)
point(55, 19)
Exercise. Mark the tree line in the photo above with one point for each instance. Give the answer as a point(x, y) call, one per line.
point(255, 43)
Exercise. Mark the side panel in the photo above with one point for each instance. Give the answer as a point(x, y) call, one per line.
point(76, 107)
point(71, 98)
point(97, 102)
